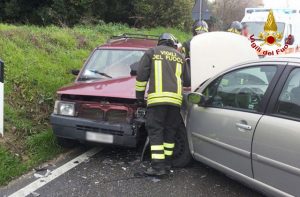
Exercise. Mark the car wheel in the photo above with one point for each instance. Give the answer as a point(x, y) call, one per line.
point(182, 156)
point(66, 143)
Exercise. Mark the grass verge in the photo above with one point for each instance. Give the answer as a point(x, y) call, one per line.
point(39, 147)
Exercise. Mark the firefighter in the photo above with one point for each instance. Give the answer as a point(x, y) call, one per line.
point(199, 27)
point(236, 27)
point(245, 30)
point(164, 69)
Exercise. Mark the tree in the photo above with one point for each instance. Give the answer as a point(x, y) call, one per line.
point(70, 12)
point(226, 11)
point(163, 12)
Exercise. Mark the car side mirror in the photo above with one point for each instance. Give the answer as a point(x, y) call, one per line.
point(290, 40)
point(197, 98)
point(75, 71)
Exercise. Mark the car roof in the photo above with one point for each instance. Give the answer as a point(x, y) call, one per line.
point(133, 43)
point(295, 58)
point(284, 58)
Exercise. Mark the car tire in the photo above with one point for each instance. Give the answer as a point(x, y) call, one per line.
point(66, 143)
point(182, 156)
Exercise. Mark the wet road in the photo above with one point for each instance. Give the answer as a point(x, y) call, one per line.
point(113, 172)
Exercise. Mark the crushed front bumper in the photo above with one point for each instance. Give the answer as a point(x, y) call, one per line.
point(123, 134)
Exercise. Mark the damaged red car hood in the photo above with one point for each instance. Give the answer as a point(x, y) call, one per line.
point(117, 88)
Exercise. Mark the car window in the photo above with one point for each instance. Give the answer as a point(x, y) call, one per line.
point(115, 63)
point(240, 89)
point(289, 100)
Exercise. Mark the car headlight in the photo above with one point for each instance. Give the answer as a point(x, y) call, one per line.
point(64, 108)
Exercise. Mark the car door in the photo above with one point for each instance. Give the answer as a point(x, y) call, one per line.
point(221, 131)
point(276, 143)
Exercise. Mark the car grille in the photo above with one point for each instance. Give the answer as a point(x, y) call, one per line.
point(92, 114)
point(116, 116)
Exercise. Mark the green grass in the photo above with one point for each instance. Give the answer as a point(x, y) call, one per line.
point(10, 166)
point(38, 61)
point(39, 148)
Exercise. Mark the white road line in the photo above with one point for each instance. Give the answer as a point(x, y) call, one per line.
point(55, 173)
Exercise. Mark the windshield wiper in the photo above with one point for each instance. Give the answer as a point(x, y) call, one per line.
point(88, 78)
point(101, 73)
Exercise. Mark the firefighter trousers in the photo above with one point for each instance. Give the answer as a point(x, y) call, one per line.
point(162, 123)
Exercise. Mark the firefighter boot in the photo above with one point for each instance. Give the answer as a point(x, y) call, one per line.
point(155, 172)
point(156, 169)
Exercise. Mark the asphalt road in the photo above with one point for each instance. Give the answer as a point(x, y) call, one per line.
point(114, 172)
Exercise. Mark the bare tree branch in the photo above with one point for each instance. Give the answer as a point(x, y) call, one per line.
point(226, 11)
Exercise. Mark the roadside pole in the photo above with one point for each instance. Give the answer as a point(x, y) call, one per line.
point(1, 97)
point(200, 10)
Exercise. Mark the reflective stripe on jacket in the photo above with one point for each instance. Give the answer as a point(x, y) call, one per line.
point(165, 70)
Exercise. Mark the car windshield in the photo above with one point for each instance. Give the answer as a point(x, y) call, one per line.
point(257, 27)
point(108, 63)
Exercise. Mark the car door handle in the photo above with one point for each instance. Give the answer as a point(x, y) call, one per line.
point(243, 126)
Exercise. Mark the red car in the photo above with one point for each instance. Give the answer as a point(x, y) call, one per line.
point(101, 106)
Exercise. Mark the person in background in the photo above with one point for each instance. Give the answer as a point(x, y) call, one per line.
point(236, 27)
point(164, 69)
point(199, 27)
point(245, 30)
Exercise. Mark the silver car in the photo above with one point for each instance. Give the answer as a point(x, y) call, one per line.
point(245, 122)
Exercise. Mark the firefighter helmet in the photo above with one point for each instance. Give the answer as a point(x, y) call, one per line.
point(236, 27)
point(168, 39)
point(200, 27)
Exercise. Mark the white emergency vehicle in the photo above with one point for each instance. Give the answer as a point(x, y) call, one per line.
point(288, 23)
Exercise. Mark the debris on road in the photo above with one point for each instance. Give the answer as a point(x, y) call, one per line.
point(107, 161)
point(47, 173)
point(155, 180)
point(35, 194)
point(38, 169)
point(134, 162)
point(37, 175)
point(203, 176)
point(43, 167)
